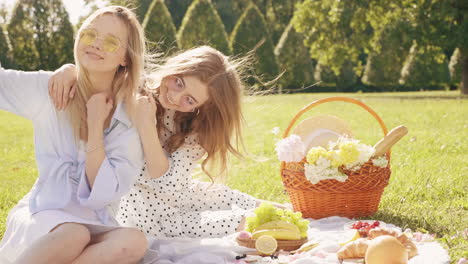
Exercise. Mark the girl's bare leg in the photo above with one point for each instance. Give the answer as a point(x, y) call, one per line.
point(61, 245)
point(119, 246)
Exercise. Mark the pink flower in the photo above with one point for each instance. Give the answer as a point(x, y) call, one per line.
point(290, 149)
point(462, 261)
point(421, 237)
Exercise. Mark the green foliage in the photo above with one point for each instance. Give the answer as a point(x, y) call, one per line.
point(202, 25)
point(3, 14)
point(294, 60)
point(335, 31)
point(21, 33)
point(344, 81)
point(251, 33)
point(41, 35)
point(338, 31)
point(159, 28)
point(5, 59)
point(140, 7)
point(230, 11)
point(278, 14)
point(324, 75)
point(426, 65)
point(440, 23)
point(177, 8)
point(455, 67)
point(384, 64)
point(54, 31)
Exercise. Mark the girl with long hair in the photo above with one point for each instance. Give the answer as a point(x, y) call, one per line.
point(86, 155)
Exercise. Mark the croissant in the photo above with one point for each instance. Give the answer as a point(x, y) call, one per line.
point(355, 249)
point(373, 233)
point(409, 245)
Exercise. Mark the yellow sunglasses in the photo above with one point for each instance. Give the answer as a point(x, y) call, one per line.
point(110, 43)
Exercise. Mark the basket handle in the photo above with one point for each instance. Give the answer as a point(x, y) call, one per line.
point(335, 99)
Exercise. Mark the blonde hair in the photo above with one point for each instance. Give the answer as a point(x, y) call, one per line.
point(127, 78)
point(218, 122)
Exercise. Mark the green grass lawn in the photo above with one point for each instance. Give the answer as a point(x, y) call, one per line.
point(427, 187)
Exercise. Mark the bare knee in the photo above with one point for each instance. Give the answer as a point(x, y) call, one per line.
point(73, 233)
point(133, 245)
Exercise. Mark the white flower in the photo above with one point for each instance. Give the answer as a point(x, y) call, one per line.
point(322, 170)
point(290, 149)
point(345, 151)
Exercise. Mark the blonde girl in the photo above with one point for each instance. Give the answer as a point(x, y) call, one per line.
point(86, 155)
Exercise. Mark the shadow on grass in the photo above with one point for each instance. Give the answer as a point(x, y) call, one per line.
point(417, 97)
point(414, 223)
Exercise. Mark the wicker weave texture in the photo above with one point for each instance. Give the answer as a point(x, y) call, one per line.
point(358, 196)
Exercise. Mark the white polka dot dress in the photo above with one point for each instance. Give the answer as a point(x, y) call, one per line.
point(175, 205)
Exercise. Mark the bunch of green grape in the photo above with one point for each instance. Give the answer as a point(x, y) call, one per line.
point(266, 212)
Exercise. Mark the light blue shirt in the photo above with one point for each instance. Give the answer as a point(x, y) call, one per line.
point(60, 165)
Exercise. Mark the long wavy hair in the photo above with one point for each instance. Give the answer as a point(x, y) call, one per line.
point(127, 78)
point(218, 122)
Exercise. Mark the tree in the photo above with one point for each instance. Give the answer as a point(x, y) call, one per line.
point(455, 67)
point(41, 35)
point(3, 14)
point(202, 25)
point(333, 31)
point(337, 31)
point(251, 34)
point(177, 10)
point(229, 12)
point(324, 75)
point(425, 66)
point(343, 81)
point(383, 67)
point(159, 28)
point(278, 14)
point(294, 60)
point(5, 60)
point(140, 7)
point(54, 34)
point(21, 33)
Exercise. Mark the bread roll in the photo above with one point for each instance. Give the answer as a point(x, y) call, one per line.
point(386, 250)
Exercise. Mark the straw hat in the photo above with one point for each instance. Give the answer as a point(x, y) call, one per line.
point(319, 130)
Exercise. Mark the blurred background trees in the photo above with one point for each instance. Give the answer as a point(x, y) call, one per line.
point(313, 45)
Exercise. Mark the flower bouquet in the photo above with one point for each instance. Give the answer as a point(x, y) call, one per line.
point(327, 172)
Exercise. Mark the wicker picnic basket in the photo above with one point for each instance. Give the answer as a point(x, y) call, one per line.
point(358, 196)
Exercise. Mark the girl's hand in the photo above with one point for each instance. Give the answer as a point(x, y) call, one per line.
point(98, 107)
point(145, 112)
point(62, 85)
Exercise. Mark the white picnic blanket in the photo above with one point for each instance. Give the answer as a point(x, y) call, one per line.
point(327, 231)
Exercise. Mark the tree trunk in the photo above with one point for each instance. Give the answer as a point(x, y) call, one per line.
point(464, 77)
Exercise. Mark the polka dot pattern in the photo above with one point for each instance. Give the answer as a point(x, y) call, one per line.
point(175, 205)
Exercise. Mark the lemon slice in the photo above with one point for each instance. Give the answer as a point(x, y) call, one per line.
point(349, 236)
point(266, 245)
